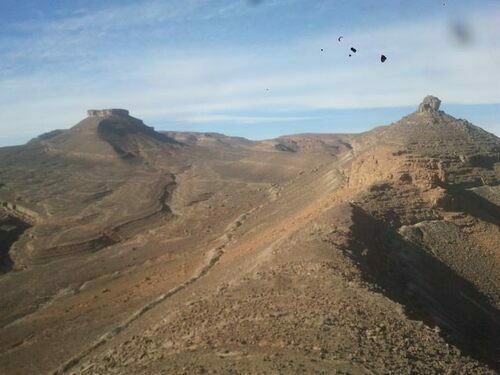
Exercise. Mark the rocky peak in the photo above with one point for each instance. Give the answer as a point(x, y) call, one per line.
point(107, 112)
point(430, 103)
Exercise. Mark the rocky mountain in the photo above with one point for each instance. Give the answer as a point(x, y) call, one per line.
point(130, 251)
point(82, 189)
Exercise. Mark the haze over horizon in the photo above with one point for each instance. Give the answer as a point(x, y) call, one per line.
point(256, 71)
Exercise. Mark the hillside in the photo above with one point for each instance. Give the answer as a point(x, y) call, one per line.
point(131, 251)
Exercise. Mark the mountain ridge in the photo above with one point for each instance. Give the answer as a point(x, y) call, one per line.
point(356, 253)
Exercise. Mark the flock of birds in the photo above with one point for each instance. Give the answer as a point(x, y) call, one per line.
point(383, 58)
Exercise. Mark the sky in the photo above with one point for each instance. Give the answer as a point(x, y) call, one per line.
point(257, 69)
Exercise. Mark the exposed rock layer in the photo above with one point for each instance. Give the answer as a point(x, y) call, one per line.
point(107, 112)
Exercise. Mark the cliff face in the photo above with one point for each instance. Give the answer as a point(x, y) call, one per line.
point(427, 172)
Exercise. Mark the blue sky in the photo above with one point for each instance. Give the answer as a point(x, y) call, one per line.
point(242, 69)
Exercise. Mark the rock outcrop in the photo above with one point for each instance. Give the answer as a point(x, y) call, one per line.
point(107, 112)
point(430, 103)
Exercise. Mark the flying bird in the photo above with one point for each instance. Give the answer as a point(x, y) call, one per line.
point(383, 58)
point(340, 38)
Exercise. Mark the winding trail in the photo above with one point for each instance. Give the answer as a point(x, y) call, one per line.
point(213, 258)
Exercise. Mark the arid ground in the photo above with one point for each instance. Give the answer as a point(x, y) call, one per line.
point(130, 251)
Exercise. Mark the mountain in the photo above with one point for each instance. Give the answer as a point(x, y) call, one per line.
point(107, 135)
point(127, 250)
point(82, 189)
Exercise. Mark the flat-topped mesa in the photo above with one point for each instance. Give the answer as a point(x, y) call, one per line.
point(107, 112)
point(429, 104)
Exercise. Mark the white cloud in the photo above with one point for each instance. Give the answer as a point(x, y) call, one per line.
point(186, 84)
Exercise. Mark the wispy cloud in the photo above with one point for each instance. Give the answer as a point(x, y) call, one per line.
point(59, 68)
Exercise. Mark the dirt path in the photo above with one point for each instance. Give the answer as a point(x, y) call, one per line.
point(213, 258)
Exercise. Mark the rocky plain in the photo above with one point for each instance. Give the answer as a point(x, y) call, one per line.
point(125, 250)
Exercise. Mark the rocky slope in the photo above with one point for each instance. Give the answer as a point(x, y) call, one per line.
point(136, 252)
